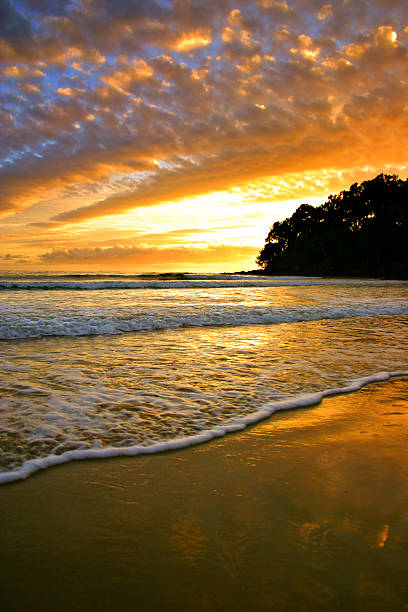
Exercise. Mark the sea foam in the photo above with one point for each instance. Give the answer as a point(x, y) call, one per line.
point(207, 282)
point(14, 325)
point(233, 425)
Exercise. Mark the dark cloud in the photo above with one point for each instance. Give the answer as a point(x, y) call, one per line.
point(13, 25)
point(48, 7)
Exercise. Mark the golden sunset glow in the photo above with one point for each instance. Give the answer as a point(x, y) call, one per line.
point(171, 135)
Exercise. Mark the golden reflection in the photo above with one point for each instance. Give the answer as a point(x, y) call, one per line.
point(187, 539)
point(309, 534)
point(382, 536)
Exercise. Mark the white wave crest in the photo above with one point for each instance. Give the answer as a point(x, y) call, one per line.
point(14, 325)
point(233, 425)
point(193, 283)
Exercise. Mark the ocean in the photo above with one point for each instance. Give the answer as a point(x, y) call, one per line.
point(99, 365)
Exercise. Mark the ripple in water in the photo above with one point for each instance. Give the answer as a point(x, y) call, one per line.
point(95, 395)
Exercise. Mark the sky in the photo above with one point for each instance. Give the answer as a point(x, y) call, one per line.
point(154, 135)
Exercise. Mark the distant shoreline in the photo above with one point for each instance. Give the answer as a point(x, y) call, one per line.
point(351, 275)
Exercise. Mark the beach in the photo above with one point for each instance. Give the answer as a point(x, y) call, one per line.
point(306, 510)
point(203, 306)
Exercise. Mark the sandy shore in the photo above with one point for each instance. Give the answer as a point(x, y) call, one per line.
point(305, 511)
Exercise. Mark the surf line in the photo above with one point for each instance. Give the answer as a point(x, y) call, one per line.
point(301, 401)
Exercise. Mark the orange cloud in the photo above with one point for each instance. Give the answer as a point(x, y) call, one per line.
point(192, 40)
point(378, 48)
point(137, 104)
point(149, 255)
point(136, 71)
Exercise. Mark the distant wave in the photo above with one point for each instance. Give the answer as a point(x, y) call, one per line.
point(233, 425)
point(166, 282)
point(36, 276)
point(14, 326)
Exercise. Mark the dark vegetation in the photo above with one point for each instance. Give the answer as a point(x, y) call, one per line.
point(359, 232)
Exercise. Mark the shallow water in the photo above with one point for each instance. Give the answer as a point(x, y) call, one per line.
point(166, 365)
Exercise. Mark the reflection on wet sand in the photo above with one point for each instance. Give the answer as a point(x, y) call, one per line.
point(306, 511)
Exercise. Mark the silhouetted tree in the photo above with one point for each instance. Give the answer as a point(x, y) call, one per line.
point(359, 232)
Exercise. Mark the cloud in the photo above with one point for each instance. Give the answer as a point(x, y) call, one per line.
point(378, 48)
point(142, 103)
point(13, 25)
point(193, 40)
point(12, 257)
point(149, 255)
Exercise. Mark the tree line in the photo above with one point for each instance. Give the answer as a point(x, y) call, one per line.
point(359, 232)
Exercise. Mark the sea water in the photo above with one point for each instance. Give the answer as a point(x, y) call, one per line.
point(103, 365)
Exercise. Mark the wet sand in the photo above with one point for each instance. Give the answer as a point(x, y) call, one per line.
point(305, 511)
